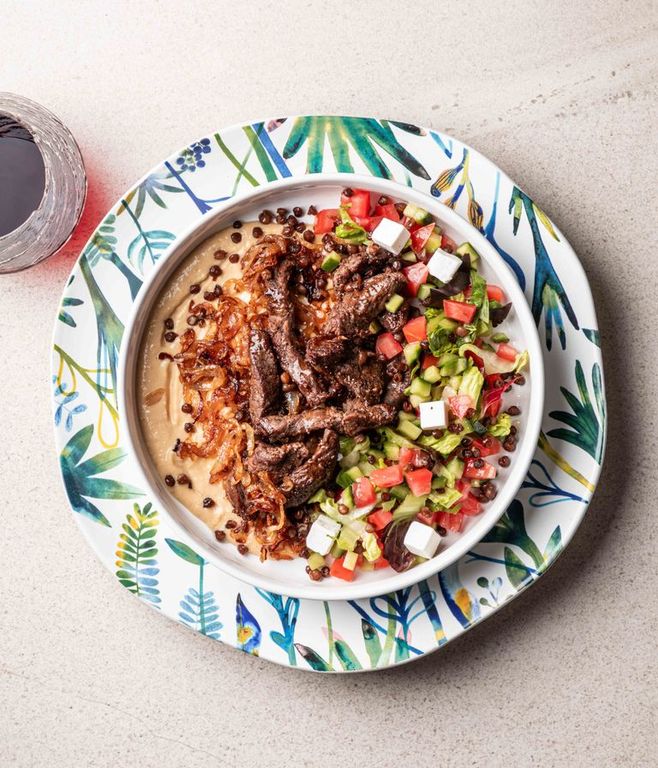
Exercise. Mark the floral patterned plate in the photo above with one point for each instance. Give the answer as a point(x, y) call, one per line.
point(153, 562)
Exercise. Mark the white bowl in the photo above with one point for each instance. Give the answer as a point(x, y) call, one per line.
point(289, 577)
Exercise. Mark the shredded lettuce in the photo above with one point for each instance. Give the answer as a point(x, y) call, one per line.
point(348, 229)
point(471, 384)
point(447, 443)
point(479, 297)
point(371, 550)
point(522, 361)
point(449, 497)
point(502, 426)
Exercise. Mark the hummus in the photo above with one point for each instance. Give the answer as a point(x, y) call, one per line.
point(160, 391)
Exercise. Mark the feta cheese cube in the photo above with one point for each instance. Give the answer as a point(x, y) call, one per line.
point(443, 265)
point(321, 535)
point(433, 415)
point(421, 540)
point(390, 235)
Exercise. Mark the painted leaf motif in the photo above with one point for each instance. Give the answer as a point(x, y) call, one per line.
point(136, 554)
point(313, 659)
point(248, 631)
point(346, 656)
point(185, 552)
point(79, 480)
point(554, 546)
point(516, 570)
point(372, 643)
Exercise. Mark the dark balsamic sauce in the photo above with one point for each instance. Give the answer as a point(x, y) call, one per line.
point(22, 175)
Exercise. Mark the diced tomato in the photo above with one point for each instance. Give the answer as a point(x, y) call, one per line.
point(428, 360)
point(447, 243)
point(416, 275)
point(507, 352)
point(367, 222)
point(419, 481)
point(485, 472)
point(420, 236)
point(470, 506)
point(380, 518)
point(338, 569)
point(488, 446)
point(460, 405)
point(479, 342)
point(416, 329)
point(388, 211)
point(387, 346)
point(479, 362)
point(427, 518)
point(451, 521)
point(381, 563)
point(358, 204)
point(363, 492)
point(407, 457)
point(495, 293)
point(459, 310)
point(325, 220)
point(387, 477)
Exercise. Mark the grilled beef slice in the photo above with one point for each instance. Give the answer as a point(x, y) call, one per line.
point(354, 312)
point(399, 378)
point(315, 471)
point(357, 264)
point(281, 325)
point(358, 417)
point(363, 382)
point(264, 383)
point(324, 351)
point(393, 321)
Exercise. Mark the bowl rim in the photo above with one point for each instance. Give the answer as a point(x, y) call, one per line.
point(217, 219)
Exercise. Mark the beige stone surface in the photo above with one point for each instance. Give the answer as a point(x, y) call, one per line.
point(561, 95)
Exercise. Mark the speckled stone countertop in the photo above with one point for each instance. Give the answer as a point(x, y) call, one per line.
point(563, 96)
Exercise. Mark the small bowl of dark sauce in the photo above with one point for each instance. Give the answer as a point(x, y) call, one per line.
point(42, 183)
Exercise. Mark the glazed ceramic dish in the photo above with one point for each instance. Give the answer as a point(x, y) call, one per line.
point(154, 550)
point(289, 576)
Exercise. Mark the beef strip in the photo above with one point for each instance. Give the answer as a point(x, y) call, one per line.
point(281, 325)
point(363, 382)
point(315, 471)
point(235, 494)
point(393, 321)
point(321, 351)
point(354, 312)
point(264, 383)
point(277, 460)
point(356, 264)
point(358, 417)
point(399, 378)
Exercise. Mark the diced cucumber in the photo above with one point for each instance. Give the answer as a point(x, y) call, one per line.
point(424, 291)
point(419, 215)
point(431, 374)
point(315, 561)
point(412, 352)
point(399, 491)
point(409, 429)
point(346, 497)
point(396, 439)
point(347, 538)
point(374, 327)
point(455, 468)
point(409, 505)
point(366, 467)
point(500, 338)
point(351, 460)
point(336, 551)
point(438, 482)
point(348, 476)
point(346, 444)
point(392, 451)
point(387, 505)
point(466, 249)
point(433, 241)
point(330, 261)
point(409, 256)
point(394, 303)
point(404, 416)
point(350, 560)
point(416, 400)
point(453, 368)
point(420, 387)
point(318, 497)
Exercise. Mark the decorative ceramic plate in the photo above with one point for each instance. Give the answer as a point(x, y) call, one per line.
point(153, 562)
